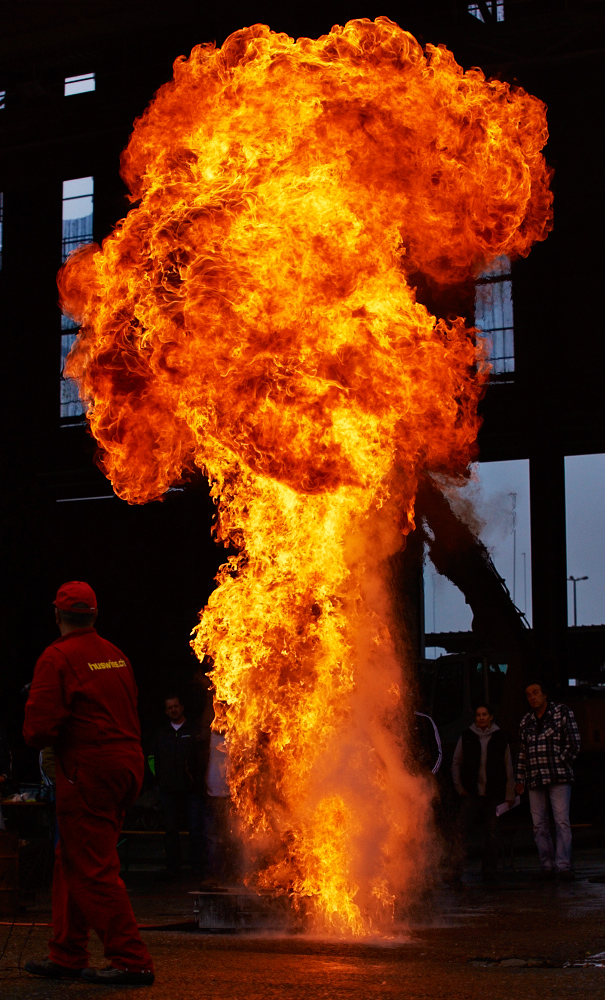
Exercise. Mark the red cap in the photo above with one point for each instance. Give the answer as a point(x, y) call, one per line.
point(77, 597)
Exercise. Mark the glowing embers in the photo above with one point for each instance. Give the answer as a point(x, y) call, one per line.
point(252, 317)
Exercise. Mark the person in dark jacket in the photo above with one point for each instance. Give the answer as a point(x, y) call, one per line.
point(427, 742)
point(482, 771)
point(179, 760)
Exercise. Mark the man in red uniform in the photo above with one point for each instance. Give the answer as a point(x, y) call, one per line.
point(83, 702)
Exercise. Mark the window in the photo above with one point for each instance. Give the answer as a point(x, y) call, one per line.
point(77, 229)
point(77, 213)
point(70, 405)
point(494, 315)
point(1, 224)
point(79, 84)
point(499, 495)
point(585, 523)
point(493, 8)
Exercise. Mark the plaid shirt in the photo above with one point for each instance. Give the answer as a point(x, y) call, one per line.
point(547, 747)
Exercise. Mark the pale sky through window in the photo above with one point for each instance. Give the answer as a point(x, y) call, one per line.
point(499, 484)
point(499, 495)
point(79, 84)
point(77, 198)
point(585, 511)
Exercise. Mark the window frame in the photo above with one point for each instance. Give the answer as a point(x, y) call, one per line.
point(503, 364)
point(72, 412)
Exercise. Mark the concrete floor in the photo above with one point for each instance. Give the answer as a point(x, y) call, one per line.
point(457, 945)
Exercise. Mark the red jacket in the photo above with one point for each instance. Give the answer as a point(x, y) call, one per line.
point(83, 695)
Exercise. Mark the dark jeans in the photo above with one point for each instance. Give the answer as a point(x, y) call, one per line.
point(482, 808)
point(184, 809)
point(559, 796)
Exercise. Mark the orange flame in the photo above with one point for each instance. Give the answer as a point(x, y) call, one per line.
point(251, 316)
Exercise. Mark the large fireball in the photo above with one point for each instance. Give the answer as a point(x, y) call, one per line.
point(251, 316)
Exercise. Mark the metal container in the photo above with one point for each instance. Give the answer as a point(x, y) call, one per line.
point(232, 910)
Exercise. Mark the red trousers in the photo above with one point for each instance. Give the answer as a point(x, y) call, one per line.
point(93, 791)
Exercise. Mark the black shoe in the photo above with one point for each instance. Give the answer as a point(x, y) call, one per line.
point(117, 977)
point(566, 875)
point(50, 970)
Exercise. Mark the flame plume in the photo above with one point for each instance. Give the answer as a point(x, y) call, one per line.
point(251, 316)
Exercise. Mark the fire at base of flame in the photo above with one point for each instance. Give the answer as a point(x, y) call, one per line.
point(252, 316)
point(304, 660)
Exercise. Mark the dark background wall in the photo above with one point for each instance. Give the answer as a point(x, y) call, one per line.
point(153, 566)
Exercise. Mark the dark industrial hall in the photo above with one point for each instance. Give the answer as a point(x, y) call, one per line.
point(500, 583)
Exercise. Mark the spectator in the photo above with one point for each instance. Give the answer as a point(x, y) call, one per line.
point(427, 742)
point(179, 760)
point(549, 742)
point(222, 848)
point(482, 771)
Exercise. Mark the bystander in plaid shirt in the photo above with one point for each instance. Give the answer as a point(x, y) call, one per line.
point(547, 747)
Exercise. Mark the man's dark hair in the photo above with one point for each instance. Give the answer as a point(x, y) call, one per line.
point(79, 619)
point(540, 681)
point(172, 695)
